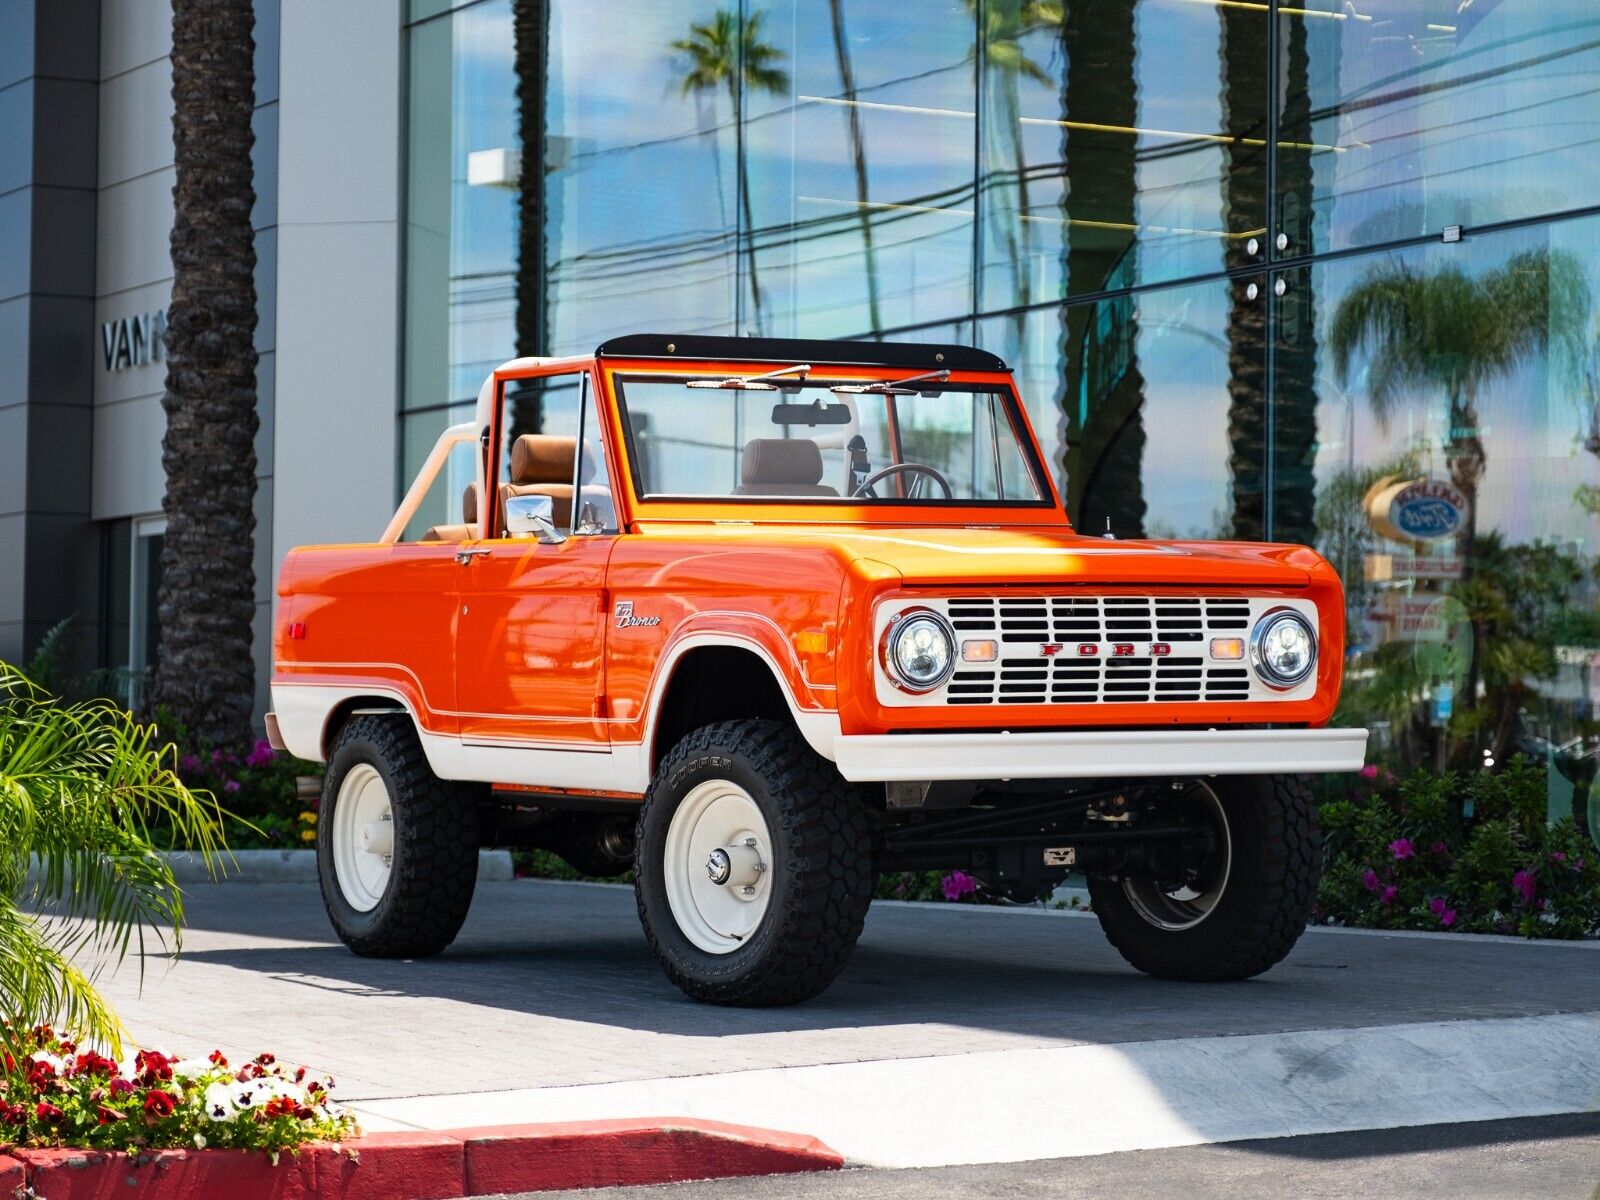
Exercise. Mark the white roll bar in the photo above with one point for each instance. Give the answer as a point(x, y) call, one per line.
point(467, 431)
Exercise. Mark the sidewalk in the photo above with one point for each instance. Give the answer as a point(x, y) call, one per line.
point(955, 1035)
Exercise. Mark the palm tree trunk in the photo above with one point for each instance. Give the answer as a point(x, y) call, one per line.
point(530, 29)
point(736, 92)
point(205, 675)
point(858, 154)
point(1243, 51)
point(1103, 387)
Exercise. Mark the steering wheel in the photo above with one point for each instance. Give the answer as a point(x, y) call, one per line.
point(865, 488)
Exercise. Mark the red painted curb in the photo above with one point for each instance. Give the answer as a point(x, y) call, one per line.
point(594, 1154)
point(425, 1165)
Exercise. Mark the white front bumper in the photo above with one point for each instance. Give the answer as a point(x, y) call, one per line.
point(1090, 754)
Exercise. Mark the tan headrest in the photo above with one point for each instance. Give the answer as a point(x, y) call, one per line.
point(469, 504)
point(781, 460)
point(542, 458)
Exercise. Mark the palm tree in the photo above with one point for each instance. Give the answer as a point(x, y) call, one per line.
point(84, 793)
point(1445, 330)
point(858, 155)
point(1103, 387)
point(205, 675)
point(1000, 49)
point(728, 53)
point(530, 37)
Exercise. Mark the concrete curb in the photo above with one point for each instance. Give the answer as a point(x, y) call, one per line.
point(430, 1165)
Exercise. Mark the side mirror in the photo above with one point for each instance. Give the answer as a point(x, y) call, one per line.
point(533, 516)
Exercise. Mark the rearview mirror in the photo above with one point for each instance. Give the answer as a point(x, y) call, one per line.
point(533, 516)
point(816, 413)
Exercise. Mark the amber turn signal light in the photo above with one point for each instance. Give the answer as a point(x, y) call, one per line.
point(980, 650)
point(1227, 648)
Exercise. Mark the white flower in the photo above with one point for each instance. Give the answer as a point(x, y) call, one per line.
point(199, 1141)
point(219, 1102)
point(192, 1068)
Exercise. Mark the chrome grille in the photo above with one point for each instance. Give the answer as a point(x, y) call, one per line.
point(1024, 676)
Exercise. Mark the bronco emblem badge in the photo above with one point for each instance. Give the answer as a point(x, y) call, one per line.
point(626, 619)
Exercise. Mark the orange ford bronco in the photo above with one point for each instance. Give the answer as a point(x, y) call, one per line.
point(760, 619)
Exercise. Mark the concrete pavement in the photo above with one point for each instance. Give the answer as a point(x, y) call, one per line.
point(956, 1034)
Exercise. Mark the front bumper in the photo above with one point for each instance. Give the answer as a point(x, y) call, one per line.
point(1090, 754)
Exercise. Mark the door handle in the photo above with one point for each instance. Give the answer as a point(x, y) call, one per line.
point(466, 556)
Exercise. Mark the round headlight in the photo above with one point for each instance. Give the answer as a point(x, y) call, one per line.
point(919, 650)
point(1283, 649)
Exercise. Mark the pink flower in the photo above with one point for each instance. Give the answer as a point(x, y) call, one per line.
point(1447, 918)
point(1524, 882)
point(231, 786)
point(1389, 893)
point(188, 764)
point(1558, 856)
point(1402, 849)
point(1370, 880)
point(1370, 771)
point(260, 754)
point(1439, 848)
point(958, 884)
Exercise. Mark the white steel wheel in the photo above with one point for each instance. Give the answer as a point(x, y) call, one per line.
point(1185, 907)
point(717, 866)
point(363, 837)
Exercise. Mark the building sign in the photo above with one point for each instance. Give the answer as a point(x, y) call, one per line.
point(1416, 510)
point(133, 341)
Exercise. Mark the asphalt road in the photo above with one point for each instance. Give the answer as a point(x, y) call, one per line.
point(1541, 1158)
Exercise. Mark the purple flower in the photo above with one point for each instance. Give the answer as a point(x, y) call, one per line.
point(1440, 908)
point(1558, 856)
point(1370, 771)
point(1389, 893)
point(188, 764)
point(1370, 880)
point(231, 786)
point(260, 754)
point(216, 755)
point(1402, 849)
point(1447, 918)
point(1524, 883)
point(1439, 848)
point(958, 884)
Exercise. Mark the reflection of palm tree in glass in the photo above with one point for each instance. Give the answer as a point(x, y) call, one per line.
point(1103, 387)
point(1005, 23)
point(1447, 330)
point(530, 27)
point(727, 53)
point(858, 155)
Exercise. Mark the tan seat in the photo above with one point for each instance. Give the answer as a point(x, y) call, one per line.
point(782, 467)
point(464, 532)
point(541, 465)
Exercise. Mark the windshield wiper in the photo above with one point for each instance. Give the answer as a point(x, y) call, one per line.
point(895, 387)
point(753, 383)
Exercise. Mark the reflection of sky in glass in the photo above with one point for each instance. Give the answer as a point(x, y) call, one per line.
point(1486, 114)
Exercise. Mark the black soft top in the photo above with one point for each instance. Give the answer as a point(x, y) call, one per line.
point(929, 355)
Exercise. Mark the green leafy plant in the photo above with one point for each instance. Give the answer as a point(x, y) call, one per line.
point(1474, 853)
point(83, 787)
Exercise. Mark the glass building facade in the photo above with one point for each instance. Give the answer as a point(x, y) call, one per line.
point(1326, 273)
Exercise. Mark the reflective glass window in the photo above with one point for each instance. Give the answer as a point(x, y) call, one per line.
point(1148, 407)
point(1123, 143)
point(1438, 439)
point(1401, 117)
point(861, 120)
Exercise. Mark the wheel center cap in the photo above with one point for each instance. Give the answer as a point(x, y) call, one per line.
point(719, 866)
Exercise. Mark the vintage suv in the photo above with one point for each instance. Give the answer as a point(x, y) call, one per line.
point(760, 619)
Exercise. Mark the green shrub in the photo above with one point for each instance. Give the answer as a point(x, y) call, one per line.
point(1475, 854)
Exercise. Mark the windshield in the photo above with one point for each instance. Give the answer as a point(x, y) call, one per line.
point(835, 439)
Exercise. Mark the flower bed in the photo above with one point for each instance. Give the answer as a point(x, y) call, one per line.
point(54, 1092)
point(270, 798)
point(1475, 854)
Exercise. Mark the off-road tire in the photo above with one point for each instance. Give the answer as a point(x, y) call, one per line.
point(435, 861)
point(1272, 885)
point(822, 873)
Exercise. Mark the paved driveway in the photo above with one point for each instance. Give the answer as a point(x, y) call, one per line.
point(551, 985)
